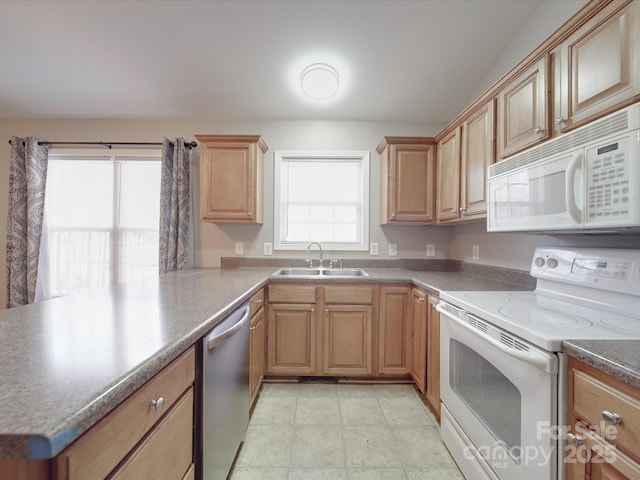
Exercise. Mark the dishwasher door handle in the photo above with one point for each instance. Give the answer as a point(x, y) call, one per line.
point(217, 338)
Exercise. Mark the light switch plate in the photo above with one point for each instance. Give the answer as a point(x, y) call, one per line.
point(239, 248)
point(475, 252)
point(268, 249)
point(431, 250)
point(393, 249)
point(373, 249)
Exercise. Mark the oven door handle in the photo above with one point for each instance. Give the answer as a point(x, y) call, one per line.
point(532, 356)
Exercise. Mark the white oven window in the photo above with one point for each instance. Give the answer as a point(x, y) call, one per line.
point(491, 396)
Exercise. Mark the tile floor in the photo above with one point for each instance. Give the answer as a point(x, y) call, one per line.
point(342, 432)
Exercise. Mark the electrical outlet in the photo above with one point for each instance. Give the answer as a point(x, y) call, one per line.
point(393, 249)
point(268, 249)
point(431, 250)
point(239, 248)
point(476, 252)
point(373, 249)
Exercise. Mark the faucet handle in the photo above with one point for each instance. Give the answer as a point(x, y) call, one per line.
point(309, 262)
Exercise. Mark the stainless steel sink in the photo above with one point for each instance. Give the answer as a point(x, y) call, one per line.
point(321, 272)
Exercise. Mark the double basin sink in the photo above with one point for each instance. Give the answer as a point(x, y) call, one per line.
point(321, 272)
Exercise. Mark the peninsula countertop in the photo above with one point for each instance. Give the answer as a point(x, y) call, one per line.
point(65, 363)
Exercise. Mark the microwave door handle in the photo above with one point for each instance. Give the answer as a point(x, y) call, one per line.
point(572, 207)
point(533, 357)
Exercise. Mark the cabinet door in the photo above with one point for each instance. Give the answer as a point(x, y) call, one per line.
point(393, 330)
point(291, 339)
point(522, 110)
point(411, 196)
point(347, 340)
point(433, 356)
point(257, 353)
point(231, 176)
point(478, 153)
point(418, 368)
point(448, 191)
point(597, 67)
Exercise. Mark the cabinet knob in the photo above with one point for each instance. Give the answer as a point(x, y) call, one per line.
point(538, 130)
point(574, 439)
point(611, 417)
point(561, 120)
point(454, 212)
point(421, 300)
point(250, 214)
point(252, 329)
point(326, 310)
point(313, 310)
point(393, 215)
point(258, 301)
point(463, 210)
point(157, 404)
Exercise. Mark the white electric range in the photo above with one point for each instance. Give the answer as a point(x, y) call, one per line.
point(503, 371)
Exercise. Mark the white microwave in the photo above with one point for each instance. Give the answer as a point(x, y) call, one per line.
point(587, 180)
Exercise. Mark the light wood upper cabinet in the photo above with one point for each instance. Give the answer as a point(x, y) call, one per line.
point(597, 68)
point(448, 187)
point(522, 119)
point(407, 166)
point(231, 178)
point(464, 155)
point(393, 329)
point(478, 152)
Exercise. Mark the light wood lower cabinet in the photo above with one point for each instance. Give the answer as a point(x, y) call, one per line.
point(432, 392)
point(153, 423)
point(257, 345)
point(604, 414)
point(418, 367)
point(393, 329)
point(329, 335)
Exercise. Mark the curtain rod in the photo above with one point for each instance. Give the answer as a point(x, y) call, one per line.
point(110, 144)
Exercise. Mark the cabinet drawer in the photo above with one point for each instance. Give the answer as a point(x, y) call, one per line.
point(349, 294)
point(102, 448)
point(591, 397)
point(167, 452)
point(292, 293)
point(256, 302)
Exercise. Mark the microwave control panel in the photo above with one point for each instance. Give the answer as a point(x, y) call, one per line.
point(608, 182)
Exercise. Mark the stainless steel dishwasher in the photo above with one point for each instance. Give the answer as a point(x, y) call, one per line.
point(225, 402)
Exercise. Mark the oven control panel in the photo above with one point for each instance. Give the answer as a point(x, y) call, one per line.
point(616, 270)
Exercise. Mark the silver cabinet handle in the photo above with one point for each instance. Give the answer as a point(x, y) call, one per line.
point(326, 310)
point(421, 300)
point(258, 301)
point(393, 215)
point(454, 212)
point(313, 310)
point(611, 417)
point(560, 120)
point(538, 130)
point(574, 439)
point(250, 214)
point(252, 329)
point(157, 404)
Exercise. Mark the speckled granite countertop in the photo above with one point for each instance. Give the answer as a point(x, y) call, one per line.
point(67, 362)
point(618, 358)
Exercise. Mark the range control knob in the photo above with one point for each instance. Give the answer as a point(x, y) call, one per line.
point(552, 263)
point(539, 261)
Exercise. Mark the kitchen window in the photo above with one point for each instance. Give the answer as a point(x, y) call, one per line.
point(323, 197)
point(102, 218)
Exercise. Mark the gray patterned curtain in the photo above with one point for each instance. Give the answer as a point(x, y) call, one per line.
point(174, 205)
point(27, 182)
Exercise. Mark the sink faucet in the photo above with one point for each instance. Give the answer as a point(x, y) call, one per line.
point(320, 247)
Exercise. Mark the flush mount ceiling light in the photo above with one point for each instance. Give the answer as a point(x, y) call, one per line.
point(319, 81)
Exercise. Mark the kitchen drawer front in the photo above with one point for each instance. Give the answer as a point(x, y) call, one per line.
point(292, 293)
point(256, 302)
point(99, 450)
point(591, 397)
point(167, 453)
point(349, 294)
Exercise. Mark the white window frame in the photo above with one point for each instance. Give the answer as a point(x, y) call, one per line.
point(362, 156)
point(116, 158)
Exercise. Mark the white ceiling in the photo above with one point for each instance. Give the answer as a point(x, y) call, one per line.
point(402, 60)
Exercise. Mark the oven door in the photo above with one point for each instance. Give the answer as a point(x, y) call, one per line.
point(548, 195)
point(502, 394)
